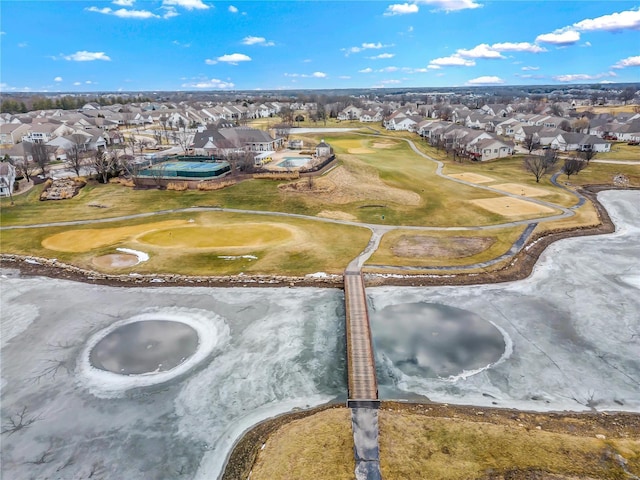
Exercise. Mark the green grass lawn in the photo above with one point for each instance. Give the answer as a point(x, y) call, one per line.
point(310, 247)
point(621, 151)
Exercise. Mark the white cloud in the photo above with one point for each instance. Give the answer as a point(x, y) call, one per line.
point(210, 61)
point(518, 47)
point(170, 12)
point(209, 84)
point(414, 70)
point(180, 44)
point(365, 46)
point(527, 69)
point(390, 82)
point(628, 62)
point(434, 67)
point(581, 77)
point(124, 3)
point(388, 69)
point(124, 13)
point(366, 70)
point(452, 61)
point(559, 37)
point(57, 79)
point(257, 41)
point(23, 44)
point(486, 80)
point(188, 4)
point(233, 58)
point(89, 82)
point(401, 9)
point(233, 9)
point(84, 56)
point(382, 56)
point(480, 51)
point(77, 83)
point(344, 77)
point(304, 75)
point(451, 5)
point(627, 20)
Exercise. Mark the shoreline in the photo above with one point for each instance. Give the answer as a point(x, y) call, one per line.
point(519, 267)
point(611, 424)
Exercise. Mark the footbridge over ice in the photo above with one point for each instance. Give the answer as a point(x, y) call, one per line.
point(362, 381)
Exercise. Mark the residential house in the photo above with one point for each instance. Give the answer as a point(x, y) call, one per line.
point(7, 178)
point(350, 113)
point(371, 116)
point(568, 141)
point(489, 149)
point(12, 133)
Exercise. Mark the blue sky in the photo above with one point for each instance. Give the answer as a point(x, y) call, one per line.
point(244, 45)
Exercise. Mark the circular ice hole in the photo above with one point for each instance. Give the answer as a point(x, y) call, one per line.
point(145, 347)
point(433, 340)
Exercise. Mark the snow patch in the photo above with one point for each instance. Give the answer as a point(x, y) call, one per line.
point(235, 257)
point(142, 257)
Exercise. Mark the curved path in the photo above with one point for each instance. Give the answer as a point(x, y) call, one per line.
point(377, 230)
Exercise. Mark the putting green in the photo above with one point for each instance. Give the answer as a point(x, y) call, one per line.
point(222, 236)
point(84, 240)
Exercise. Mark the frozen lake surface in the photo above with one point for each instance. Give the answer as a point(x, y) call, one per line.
point(574, 327)
point(568, 337)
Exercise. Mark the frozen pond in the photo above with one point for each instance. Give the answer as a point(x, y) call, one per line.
point(573, 327)
point(144, 347)
point(568, 337)
point(230, 358)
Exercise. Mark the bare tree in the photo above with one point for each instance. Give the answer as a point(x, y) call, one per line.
point(581, 125)
point(283, 130)
point(183, 137)
point(573, 166)
point(76, 152)
point(41, 155)
point(530, 142)
point(588, 154)
point(17, 422)
point(105, 164)
point(565, 125)
point(557, 110)
point(628, 94)
point(26, 167)
point(538, 166)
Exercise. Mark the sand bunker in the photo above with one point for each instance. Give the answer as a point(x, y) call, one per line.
point(472, 177)
point(360, 150)
point(413, 246)
point(115, 260)
point(511, 207)
point(521, 190)
point(384, 144)
point(336, 215)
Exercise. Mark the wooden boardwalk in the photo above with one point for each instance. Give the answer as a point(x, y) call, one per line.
point(361, 365)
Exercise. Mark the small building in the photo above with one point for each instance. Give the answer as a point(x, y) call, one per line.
point(7, 179)
point(323, 149)
point(295, 144)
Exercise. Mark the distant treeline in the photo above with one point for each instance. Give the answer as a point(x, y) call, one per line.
point(7, 105)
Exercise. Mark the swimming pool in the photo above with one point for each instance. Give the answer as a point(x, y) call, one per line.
point(294, 162)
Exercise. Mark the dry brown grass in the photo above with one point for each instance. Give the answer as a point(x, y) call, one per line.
point(178, 186)
point(316, 447)
point(350, 184)
point(520, 189)
point(115, 261)
point(412, 445)
point(337, 215)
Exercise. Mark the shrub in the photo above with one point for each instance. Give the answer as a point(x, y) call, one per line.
point(178, 186)
point(210, 186)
